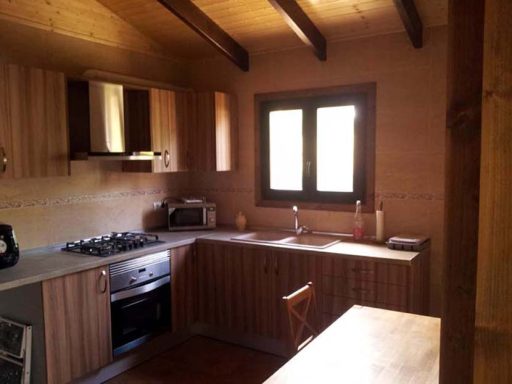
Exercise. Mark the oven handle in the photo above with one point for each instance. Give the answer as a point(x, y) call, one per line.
point(139, 290)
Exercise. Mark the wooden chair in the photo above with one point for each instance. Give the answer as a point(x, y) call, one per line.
point(298, 306)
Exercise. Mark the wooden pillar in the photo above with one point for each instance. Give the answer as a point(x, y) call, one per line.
point(465, 62)
point(493, 333)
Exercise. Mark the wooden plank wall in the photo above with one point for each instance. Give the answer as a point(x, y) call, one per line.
point(465, 60)
point(84, 19)
point(493, 331)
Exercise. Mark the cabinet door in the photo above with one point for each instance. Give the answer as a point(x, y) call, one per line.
point(183, 287)
point(77, 324)
point(255, 299)
point(235, 289)
point(214, 142)
point(293, 270)
point(163, 129)
point(37, 112)
point(5, 126)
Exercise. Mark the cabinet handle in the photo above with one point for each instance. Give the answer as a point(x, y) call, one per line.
point(265, 265)
point(276, 267)
point(102, 281)
point(362, 270)
point(167, 158)
point(361, 290)
point(3, 165)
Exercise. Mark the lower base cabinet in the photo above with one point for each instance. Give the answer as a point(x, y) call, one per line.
point(240, 287)
point(183, 287)
point(76, 311)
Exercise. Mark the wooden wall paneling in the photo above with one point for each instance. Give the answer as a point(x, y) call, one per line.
point(463, 142)
point(37, 109)
point(493, 332)
point(77, 324)
point(83, 19)
point(183, 287)
point(5, 124)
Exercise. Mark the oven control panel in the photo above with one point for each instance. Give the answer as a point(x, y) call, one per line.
point(130, 273)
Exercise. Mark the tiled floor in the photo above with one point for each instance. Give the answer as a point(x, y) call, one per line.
point(203, 360)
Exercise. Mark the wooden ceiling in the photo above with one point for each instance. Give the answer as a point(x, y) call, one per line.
point(241, 27)
point(259, 28)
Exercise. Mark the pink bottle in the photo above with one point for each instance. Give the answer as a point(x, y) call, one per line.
point(358, 229)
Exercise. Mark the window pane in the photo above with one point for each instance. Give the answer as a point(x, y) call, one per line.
point(285, 131)
point(335, 149)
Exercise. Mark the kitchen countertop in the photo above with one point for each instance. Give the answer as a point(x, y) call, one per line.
point(45, 263)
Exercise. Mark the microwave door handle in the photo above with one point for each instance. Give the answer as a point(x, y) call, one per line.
point(204, 216)
point(139, 290)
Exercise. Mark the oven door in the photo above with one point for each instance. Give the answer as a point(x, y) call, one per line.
point(184, 218)
point(140, 313)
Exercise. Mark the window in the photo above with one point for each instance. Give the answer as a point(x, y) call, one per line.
point(316, 147)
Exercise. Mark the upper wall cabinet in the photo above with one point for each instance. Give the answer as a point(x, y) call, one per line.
point(215, 140)
point(193, 131)
point(165, 134)
point(33, 131)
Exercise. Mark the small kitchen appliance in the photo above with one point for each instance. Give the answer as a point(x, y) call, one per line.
point(191, 216)
point(9, 248)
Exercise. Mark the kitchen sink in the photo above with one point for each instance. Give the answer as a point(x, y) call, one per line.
point(307, 240)
point(263, 236)
point(311, 240)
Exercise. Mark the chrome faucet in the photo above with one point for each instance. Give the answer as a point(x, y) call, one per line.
point(299, 229)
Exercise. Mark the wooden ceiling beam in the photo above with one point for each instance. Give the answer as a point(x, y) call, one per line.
point(302, 25)
point(411, 20)
point(196, 19)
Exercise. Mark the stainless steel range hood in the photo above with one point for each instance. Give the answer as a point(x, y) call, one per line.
point(107, 125)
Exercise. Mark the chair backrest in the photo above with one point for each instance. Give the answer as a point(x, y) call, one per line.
point(299, 305)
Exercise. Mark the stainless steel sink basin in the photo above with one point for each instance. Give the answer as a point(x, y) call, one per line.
point(263, 236)
point(309, 240)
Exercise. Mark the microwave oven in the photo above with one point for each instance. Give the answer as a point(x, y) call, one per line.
point(191, 216)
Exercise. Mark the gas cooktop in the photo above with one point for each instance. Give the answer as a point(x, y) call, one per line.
point(112, 244)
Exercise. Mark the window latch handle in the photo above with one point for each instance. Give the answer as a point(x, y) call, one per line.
point(308, 168)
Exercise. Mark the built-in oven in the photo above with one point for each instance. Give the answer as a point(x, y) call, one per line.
point(140, 300)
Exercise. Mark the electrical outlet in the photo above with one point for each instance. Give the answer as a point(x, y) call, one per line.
point(157, 205)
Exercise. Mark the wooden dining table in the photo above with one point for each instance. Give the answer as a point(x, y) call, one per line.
point(368, 345)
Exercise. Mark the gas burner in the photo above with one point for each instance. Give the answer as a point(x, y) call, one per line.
point(112, 244)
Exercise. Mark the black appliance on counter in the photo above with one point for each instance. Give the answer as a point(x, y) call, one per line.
point(9, 248)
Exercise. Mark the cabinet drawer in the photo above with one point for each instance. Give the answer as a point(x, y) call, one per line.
point(365, 290)
point(336, 306)
point(365, 270)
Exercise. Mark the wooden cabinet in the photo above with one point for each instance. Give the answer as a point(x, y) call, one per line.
point(349, 281)
point(33, 130)
point(241, 287)
point(167, 132)
point(215, 142)
point(194, 131)
point(77, 324)
point(183, 287)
